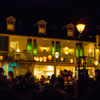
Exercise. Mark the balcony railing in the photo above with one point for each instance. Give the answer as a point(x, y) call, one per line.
point(67, 59)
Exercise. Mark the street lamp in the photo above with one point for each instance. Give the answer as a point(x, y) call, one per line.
point(80, 28)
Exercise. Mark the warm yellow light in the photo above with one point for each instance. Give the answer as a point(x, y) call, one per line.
point(71, 60)
point(10, 26)
point(44, 48)
point(97, 50)
point(66, 50)
point(41, 59)
point(44, 59)
point(37, 58)
point(50, 68)
point(50, 57)
point(89, 50)
point(41, 30)
point(62, 58)
point(18, 50)
point(80, 27)
point(96, 62)
point(82, 61)
point(57, 54)
point(1, 57)
point(39, 71)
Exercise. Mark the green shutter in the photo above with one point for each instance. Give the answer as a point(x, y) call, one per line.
point(58, 49)
point(35, 49)
point(29, 47)
point(53, 50)
point(81, 52)
point(77, 51)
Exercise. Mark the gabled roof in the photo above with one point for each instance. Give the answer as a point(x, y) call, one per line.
point(10, 18)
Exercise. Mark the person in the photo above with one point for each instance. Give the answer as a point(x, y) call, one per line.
point(64, 75)
point(53, 79)
point(60, 82)
point(11, 75)
point(97, 76)
point(42, 80)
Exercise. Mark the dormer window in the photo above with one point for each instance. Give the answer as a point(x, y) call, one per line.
point(42, 27)
point(10, 23)
point(10, 26)
point(70, 30)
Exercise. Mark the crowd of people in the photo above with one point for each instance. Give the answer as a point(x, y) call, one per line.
point(62, 87)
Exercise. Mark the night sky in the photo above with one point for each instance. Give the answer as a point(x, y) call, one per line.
point(58, 12)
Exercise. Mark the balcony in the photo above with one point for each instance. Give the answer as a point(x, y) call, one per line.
point(28, 57)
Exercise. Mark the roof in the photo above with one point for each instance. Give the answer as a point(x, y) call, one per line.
point(28, 28)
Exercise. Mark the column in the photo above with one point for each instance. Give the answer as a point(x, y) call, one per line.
point(55, 70)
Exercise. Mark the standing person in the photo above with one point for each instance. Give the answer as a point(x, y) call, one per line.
point(3, 78)
point(42, 80)
point(53, 79)
point(11, 75)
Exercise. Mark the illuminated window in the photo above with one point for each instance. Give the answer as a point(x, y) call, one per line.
point(10, 27)
point(42, 27)
point(58, 47)
point(53, 48)
point(29, 45)
point(70, 30)
point(35, 47)
point(41, 30)
point(10, 23)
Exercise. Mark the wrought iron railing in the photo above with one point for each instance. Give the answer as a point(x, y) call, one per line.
point(67, 59)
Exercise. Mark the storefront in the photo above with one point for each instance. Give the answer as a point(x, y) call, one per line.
point(48, 70)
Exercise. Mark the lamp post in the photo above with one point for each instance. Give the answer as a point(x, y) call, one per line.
point(80, 28)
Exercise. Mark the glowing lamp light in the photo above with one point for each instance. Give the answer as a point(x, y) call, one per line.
point(50, 68)
point(1, 57)
point(39, 71)
point(80, 27)
point(57, 54)
point(97, 50)
point(44, 59)
point(71, 61)
point(96, 62)
point(62, 58)
point(44, 48)
point(90, 51)
point(18, 50)
point(66, 50)
point(50, 57)
point(82, 61)
point(41, 59)
point(37, 58)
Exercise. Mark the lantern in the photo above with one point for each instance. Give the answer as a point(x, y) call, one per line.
point(57, 54)
point(50, 57)
point(44, 59)
point(41, 59)
point(62, 58)
point(96, 62)
point(39, 71)
point(18, 50)
point(66, 50)
point(37, 58)
point(71, 60)
point(1, 57)
point(80, 27)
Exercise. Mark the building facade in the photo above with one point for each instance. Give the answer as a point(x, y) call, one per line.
point(43, 55)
